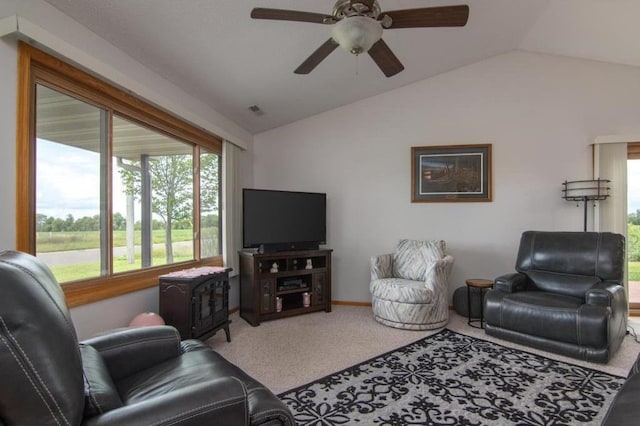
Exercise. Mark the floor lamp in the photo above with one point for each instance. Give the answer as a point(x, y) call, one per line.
point(585, 191)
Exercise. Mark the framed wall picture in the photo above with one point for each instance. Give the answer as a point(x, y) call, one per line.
point(451, 173)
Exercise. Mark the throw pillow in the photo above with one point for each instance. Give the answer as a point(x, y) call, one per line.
point(412, 257)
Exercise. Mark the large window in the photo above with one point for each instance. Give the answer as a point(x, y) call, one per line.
point(112, 192)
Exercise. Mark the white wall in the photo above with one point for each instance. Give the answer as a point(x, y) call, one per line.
point(540, 113)
point(116, 312)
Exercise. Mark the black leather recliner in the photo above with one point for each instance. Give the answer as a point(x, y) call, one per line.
point(567, 296)
point(133, 376)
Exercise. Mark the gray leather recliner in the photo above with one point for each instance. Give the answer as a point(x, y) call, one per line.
point(136, 376)
point(567, 296)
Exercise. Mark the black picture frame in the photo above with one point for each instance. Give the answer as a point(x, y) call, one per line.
point(451, 173)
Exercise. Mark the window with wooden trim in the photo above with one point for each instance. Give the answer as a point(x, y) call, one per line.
point(112, 191)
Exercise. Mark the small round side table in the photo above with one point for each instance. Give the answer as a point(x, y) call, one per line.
point(482, 285)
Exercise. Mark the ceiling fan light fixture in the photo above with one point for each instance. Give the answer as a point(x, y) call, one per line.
point(356, 34)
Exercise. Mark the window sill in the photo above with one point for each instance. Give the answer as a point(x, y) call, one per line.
point(79, 293)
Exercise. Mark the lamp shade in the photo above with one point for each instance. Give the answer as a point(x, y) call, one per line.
point(586, 190)
point(356, 34)
point(589, 190)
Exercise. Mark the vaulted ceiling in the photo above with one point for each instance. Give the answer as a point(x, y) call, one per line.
point(214, 51)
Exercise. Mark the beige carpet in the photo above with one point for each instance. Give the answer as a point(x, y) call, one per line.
point(290, 352)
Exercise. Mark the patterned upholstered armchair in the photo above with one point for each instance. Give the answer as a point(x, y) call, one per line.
point(409, 288)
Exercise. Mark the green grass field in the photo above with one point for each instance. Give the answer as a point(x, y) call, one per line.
point(49, 242)
point(67, 273)
point(634, 271)
point(63, 241)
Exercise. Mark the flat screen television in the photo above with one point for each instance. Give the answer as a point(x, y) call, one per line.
point(283, 220)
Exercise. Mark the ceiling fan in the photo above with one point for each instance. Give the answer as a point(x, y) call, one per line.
point(358, 26)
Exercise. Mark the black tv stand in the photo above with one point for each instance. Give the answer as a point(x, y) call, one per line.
point(280, 247)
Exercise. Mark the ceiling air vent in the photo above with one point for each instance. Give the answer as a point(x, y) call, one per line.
point(256, 110)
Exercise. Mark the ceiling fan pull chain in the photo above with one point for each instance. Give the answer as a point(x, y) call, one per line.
point(357, 56)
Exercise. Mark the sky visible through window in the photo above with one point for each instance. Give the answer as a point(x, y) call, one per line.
point(69, 182)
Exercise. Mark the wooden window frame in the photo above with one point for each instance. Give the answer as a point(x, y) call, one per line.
point(38, 67)
point(633, 151)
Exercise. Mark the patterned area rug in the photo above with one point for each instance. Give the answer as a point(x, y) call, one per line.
point(452, 379)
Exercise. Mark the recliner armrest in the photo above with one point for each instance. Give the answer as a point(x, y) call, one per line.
point(603, 294)
point(382, 267)
point(511, 283)
point(128, 350)
point(221, 401)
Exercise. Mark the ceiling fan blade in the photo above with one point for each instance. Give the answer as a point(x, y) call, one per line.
point(444, 16)
point(316, 57)
point(386, 60)
point(291, 15)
